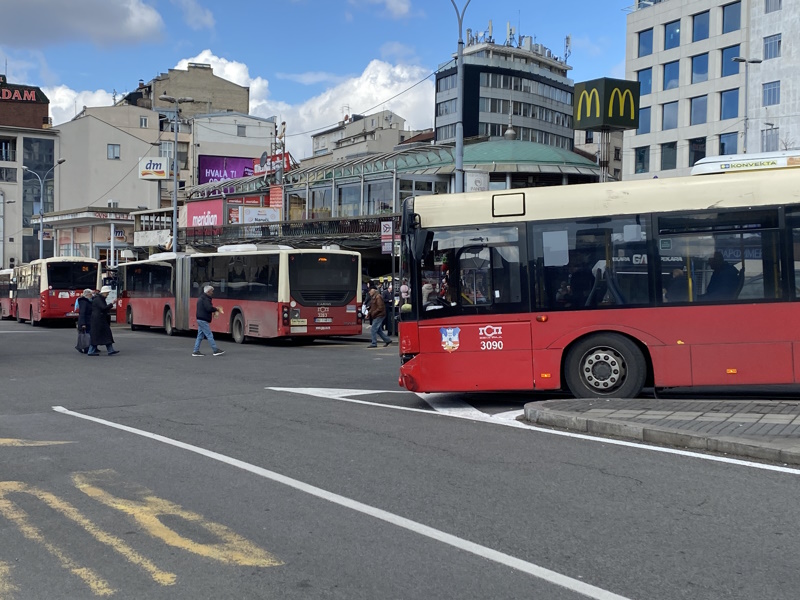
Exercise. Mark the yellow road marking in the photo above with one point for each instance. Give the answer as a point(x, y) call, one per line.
point(27, 443)
point(7, 588)
point(19, 517)
point(232, 549)
point(69, 511)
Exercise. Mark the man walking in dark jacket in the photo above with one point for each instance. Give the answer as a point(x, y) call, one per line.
point(205, 312)
point(377, 312)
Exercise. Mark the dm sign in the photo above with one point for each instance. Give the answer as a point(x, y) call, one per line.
point(606, 104)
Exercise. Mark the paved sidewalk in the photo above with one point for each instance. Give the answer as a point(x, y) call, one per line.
point(762, 429)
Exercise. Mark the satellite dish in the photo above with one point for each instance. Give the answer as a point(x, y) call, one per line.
point(264, 158)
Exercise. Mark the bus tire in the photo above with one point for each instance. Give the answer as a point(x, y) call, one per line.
point(237, 329)
point(19, 318)
point(605, 365)
point(168, 328)
point(129, 319)
point(33, 323)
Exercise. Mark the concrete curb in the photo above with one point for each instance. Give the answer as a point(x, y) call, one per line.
point(663, 436)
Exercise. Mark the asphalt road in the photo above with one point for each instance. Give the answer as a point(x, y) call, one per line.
point(253, 475)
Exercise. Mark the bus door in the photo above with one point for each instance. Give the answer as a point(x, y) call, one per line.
point(475, 324)
point(728, 275)
point(183, 287)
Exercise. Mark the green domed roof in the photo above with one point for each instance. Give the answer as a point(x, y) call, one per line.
point(519, 152)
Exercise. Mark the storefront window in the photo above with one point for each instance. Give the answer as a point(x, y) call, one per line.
point(297, 205)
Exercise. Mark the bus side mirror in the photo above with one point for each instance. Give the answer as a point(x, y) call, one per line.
point(422, 243)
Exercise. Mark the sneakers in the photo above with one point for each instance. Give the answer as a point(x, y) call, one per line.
point(389, 343)
point(372, 346)
point(92, 354)
point(219, 352)
point(197, 354)
point(113, 352)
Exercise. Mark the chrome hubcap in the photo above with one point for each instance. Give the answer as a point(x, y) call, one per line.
point(603, 369)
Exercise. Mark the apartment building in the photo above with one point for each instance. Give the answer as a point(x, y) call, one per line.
point(717, 78)
point(519, 79)
point(27, 141)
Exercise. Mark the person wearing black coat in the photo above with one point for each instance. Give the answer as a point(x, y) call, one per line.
point(85, 314)
point(101, 324)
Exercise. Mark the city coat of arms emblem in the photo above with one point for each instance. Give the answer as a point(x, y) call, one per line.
point(450, 338)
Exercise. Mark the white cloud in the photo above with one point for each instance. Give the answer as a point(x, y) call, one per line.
point(380, 86)
point(397, 9)
point(375, 89)
point(32, 23)
point(311, 77)
point(66, 103)
point(399, 53)
point(195, 15)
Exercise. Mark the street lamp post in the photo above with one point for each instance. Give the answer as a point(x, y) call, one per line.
point(177, 102)
point(41, 200)
point(460, 98)
point(747, 62)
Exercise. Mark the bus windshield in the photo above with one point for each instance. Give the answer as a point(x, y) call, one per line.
point(71, 275)
point(322, 277)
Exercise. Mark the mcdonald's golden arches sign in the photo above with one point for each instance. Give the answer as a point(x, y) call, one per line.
point(606, 104)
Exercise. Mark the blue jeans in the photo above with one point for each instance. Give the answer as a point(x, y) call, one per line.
point(204, 331)
point(377, 331)
point(93, 349)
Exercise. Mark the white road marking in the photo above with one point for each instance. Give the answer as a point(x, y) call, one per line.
point(450, 405)
point(485, 418)
point(542, 573)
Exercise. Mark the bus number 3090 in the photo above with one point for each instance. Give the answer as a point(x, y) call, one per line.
point(491, 345)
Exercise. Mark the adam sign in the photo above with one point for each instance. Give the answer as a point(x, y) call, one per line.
point(606, 104)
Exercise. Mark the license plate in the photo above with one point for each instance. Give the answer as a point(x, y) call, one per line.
point(63, 294)
point(323, 320)
point(72, 314)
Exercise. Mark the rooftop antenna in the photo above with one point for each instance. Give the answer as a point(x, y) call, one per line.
point(509, 34)
point(567, 48)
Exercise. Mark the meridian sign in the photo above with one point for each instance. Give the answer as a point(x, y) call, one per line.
point(606, 104)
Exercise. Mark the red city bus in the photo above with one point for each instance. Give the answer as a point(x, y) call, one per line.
point(263, 293)
point(602, 289)
point(6, 293)
point(47, 288)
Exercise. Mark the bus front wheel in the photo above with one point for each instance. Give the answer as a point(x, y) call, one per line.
point(168, 329)
point(605, 365)
point(237, 329)
point(129, 318)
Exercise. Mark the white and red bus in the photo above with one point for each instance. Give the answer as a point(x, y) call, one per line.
point(6, 293)
point(603, 289)
point(263, 293)
point(47, 288)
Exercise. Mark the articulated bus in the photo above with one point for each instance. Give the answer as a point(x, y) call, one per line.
point(6, 293)
point(263, 293)
point(602, 289)
point(47, 288)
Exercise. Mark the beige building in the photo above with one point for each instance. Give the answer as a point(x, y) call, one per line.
point(358, 135)
point(587, 143)
point(209, 92)
point(104, 147)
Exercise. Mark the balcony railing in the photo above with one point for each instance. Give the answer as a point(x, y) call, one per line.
point(354, 232)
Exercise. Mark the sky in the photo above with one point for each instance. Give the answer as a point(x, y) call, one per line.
point(307, 62)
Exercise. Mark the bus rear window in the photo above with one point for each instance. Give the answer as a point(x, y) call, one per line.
point(323, 271)
point(71, 275)
point(323, 278)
